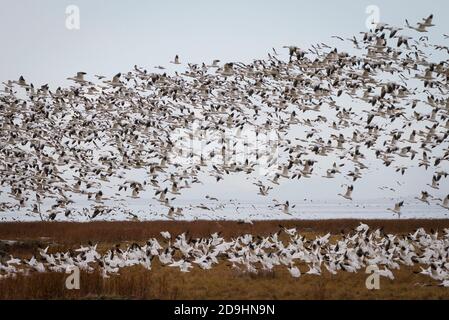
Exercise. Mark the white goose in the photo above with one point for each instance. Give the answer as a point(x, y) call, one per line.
point(424, 196)
point(176, 60)
point(79, 77)
point(348, 194)
point(397, 208)
point(294, 271)
point(115, 82)
point(445, 203)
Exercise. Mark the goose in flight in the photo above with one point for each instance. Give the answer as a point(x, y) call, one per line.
point(330, 174)
point(338, 37)
point(174, 189)
point(291, 50)
point(445, 203)
point(285, 206)
point(291, 232)
point(348, 194)
point(397, 208)
point(314, 270)
point(420, 28)
point(214, 64)
point(171, 213)
point(208, 197)
point(8, 84)
point(424, 196)
point(79, 77)
point(115, 81)
point(428, 21)
point(21, 82)
point(227, 70)
point(403, 40)
point(263, 190)
point(393, 30)
point(275, 179)
point(435, 184)
point(176, 60)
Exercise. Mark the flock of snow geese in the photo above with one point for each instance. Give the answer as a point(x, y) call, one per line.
point(327, 108)
point(349, 252)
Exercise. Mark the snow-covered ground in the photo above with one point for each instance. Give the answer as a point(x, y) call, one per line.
point(234, 210)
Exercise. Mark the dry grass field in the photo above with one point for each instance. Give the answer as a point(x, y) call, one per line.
point(221, 282)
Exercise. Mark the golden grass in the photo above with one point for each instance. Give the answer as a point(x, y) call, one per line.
point(222, 282)
point(101, 231)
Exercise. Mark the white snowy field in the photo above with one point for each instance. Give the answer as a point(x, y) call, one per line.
point(248, 211)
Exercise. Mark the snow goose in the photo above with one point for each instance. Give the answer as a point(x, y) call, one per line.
point(294, 271)
point(176, 60)
point(79, 77)
point(348, 194)
point(397, 208)
point(445, 203)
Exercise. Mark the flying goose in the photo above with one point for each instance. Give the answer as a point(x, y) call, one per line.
point(435, 184)
point(424, 196)
point(397, 208)
point(21, 82)
point(445, 203)
point(214, 64)
point(420, 28)
point(348, 193)
point(115, 82)
point(176, 60)
point(79, 77)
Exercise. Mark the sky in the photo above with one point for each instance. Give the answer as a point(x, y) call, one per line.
point(114, 36)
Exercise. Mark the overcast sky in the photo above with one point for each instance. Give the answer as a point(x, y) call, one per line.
point(115, 35)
